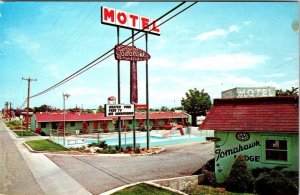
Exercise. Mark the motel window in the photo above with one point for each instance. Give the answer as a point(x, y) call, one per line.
point(54, 125)
point(43, 125)
point(72, 124)
point(276, 150)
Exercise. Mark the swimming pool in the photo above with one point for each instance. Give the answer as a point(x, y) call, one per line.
point(155, 139)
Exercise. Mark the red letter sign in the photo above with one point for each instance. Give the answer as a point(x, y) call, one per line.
point(128, 20)
point(108, 15)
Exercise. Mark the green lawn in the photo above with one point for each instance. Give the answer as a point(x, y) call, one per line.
point(25, 133)
point(45, 145)
point(144, 189)
point(204, 190)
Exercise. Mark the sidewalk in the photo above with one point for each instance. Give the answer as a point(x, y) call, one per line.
point(50, 178)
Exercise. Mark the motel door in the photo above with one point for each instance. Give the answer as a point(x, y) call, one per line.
point(95, 126)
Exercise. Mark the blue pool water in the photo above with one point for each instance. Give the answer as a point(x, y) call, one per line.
point(141, 140)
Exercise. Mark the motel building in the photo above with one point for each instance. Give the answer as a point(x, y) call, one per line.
point(98, 122)
point(263, 129)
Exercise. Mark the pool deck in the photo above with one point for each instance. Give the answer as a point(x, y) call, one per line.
point(157, 138)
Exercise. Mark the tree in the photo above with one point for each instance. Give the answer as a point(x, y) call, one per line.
point(100, 109)
point(292, 92)
point(196, 103)
point(164, 109)
point(42, 108)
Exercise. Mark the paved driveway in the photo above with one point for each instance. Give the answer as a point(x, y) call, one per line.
point(99, 174)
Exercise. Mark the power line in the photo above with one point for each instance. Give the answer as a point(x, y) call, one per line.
point(74, 32)
point(91, 64)
point(107, 54)
point(62, 38)
point(82, 35)
point(50, 33)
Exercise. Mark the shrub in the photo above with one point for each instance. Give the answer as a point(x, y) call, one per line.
point(210, 165)
point(117, 148)
point(275, 182)
point(92, 144)
point(15, 122)
point(101, 144)
point(38, 130)
point(129, 148)
point(240, 178)
point(137, 150)
point(109, 150)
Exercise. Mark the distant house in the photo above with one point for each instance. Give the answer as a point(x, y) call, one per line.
point(95, 122)
point(264, 129)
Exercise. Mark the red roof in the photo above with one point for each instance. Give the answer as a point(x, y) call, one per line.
point(46, 117)
point(253, 114)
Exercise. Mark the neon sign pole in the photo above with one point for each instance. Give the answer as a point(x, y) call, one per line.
point(119, 91)
point(133, 63)
point(147, 95)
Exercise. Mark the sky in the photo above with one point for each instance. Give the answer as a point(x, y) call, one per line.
point(213, 46)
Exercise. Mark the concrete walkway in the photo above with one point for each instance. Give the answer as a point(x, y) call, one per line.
point(45, 177)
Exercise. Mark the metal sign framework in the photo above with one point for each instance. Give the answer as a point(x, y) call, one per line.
point(133, 89)
point(116, 18)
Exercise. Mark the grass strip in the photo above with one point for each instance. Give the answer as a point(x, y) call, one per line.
point(144, 189)
point(25, 133)
point(204, 190)
point(45, 145)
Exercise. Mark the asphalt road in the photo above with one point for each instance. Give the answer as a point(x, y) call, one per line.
point(98, 174)
point(15, 175)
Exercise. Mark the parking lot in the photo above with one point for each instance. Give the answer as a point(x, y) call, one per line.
point(98, 174)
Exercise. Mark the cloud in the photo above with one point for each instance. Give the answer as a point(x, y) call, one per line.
point(217, 33)
point(212, 34)
point(289, 84)
point(162, 62)
point(172, 79)
point(234, 28)
point(22, 41)
point(232, 44)
point(273, 75)
point(291, 58)
point(84, 91)
point(130, 4)
point(247, 22)
point(224, 62)
point(215, 84)
point(53, 70)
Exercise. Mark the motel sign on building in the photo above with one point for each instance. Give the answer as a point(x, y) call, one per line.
point(248, 92)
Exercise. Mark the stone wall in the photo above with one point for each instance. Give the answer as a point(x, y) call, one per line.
point(180, 183)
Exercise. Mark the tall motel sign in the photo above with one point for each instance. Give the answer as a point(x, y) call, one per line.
point(133, 22)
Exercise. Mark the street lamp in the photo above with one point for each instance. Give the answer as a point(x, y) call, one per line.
point(65, 96)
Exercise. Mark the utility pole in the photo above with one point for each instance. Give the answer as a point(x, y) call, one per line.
point(65, 96)
point(28, 96)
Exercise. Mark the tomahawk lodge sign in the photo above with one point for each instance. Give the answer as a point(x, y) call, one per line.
point(130, 53)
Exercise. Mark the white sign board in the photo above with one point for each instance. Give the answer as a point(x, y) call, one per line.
point(119, 109)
